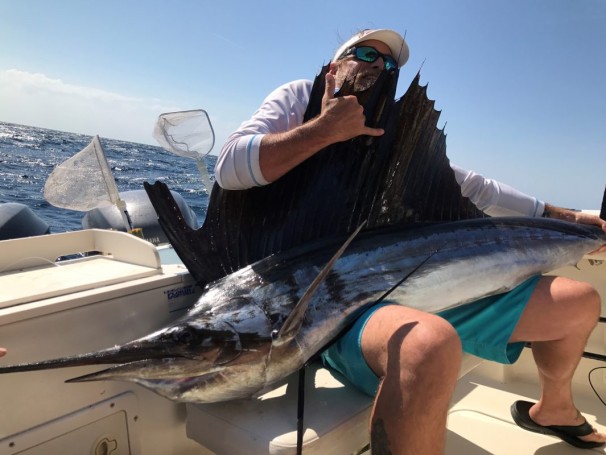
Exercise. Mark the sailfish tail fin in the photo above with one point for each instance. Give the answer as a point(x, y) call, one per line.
point(189, 244)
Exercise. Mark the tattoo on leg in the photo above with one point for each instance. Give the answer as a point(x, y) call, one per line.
point(379, 443)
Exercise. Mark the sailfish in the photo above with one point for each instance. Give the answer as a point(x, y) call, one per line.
point(287, 267)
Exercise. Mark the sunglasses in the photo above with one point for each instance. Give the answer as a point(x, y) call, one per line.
point(369, 55)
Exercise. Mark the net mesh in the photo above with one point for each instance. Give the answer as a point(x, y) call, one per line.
point(82, 182)
point(185, 133)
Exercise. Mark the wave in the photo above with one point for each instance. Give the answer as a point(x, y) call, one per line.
point(29, 154)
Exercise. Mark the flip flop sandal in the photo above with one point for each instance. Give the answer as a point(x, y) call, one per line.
point(570, 434)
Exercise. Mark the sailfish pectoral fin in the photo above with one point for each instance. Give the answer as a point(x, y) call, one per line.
point(294, 320)
point(409, 274)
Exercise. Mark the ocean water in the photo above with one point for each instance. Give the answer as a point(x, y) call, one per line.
point(29, 154)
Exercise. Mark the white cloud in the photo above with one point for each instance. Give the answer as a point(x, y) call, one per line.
point(38, 100)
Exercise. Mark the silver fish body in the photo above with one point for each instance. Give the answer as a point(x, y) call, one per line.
point(233, 343)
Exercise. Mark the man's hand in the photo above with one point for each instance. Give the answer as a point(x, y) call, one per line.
point(2, 352)
point(586, 218)
point(343, 117)
point(576, 217)
point(559, 213)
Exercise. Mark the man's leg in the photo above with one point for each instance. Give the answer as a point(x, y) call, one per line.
point(417, 356)
point(558, 320)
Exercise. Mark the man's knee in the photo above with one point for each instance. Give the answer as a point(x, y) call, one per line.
point(441, 340)
point(586, 297)
point(583, 302)
point(436, 346)
point(592, 302)
point(398, 337)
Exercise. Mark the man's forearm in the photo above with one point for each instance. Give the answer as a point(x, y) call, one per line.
point(281, 152)
point(559, 213)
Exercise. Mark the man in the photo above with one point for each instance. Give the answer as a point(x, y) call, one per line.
point(409, 359)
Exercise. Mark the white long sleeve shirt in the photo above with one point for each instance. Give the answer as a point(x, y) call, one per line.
point(238, 167)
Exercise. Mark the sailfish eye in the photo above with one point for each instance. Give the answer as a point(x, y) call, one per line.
point(185, 335)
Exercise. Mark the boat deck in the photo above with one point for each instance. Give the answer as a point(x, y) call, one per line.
point(479, 421)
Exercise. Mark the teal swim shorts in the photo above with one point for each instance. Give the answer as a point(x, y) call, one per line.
point(484, 326)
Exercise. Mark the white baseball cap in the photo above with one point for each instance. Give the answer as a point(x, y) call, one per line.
point(397, 44)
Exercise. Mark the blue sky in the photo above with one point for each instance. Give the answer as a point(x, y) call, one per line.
point(521, 84)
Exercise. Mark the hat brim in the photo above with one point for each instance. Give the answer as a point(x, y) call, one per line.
point(395, 42)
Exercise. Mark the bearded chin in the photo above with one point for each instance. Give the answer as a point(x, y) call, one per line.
point(364, 81)
point(358, 84)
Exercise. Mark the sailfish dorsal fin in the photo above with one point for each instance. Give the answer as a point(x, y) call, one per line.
point(402, 176)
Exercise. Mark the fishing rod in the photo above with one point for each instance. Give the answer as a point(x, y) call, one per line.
point(594, 356)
